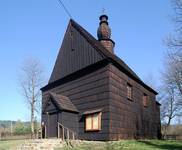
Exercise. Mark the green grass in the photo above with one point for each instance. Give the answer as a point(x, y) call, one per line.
point(10, 144)
point(116, 145)
point(128, 145)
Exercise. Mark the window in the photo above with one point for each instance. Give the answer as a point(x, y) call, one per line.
point(71, 34)
point(129, 91)
point(93, 122)
point(145, 100)
point(72, 43)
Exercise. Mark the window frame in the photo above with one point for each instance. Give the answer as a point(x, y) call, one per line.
point(92, 123)
point(129, 92)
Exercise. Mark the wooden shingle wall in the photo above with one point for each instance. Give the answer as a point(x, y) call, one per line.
point(75, 53)
point(129, 118)
point(87, 93)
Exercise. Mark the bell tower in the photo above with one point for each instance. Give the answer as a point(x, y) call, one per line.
point(104, 34)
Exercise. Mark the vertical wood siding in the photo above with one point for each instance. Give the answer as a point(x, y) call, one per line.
point(74, 54)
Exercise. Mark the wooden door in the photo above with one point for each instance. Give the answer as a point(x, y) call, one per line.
point(43, 131)
point(53, 119)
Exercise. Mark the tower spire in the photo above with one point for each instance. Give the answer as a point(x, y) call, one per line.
point(104, 33)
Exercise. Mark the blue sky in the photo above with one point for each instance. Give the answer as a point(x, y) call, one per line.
point(36, 28)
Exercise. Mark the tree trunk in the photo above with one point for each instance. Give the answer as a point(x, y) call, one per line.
point(169, 121)
point(31, 80)
point(32, 120)
point(165, 131)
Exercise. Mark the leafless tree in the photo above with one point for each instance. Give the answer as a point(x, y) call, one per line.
point(174, 44)
point(31, 79)
point(171, 89)
point(170, 107)
point(171, 97)
point(175, 41)
point(173, 73)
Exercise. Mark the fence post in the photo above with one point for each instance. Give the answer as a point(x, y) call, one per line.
point(73, 136)
point(58, 130)
point(63, 133)
point(45, 131)
point(68, 134)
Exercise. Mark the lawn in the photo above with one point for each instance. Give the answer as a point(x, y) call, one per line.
point(10, 144)
point(117, 145)
point(128, 145)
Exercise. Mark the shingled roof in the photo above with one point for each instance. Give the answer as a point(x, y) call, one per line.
point(63, 102)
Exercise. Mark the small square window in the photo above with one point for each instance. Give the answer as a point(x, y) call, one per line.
point(93, 122)
point(129, 91)
point(145, 100)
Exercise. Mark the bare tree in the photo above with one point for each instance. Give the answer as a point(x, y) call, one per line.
point(175, 41)
point(171, 89)
point(174, 44)
point(171, 97)
point(31, 80)
point(173, 74)
point(170, 106)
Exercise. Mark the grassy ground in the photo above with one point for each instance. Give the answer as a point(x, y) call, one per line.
point(118, 145)
point(128, 145)
point(10, 144)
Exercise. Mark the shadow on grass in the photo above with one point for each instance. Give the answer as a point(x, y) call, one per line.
point(170, 145)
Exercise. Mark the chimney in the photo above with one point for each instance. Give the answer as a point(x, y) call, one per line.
point(104, 34)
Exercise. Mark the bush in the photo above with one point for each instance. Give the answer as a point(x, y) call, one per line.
point(21, 129)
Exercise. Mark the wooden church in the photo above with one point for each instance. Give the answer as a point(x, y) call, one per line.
point(93, 95)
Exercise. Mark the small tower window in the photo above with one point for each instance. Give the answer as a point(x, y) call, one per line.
point(129, 91)
point(145, 100)
point(71, 34)
point(72, 45)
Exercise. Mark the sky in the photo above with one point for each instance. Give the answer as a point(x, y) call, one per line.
point(36, 28)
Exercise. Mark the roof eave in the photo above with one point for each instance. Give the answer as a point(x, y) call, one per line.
point(133, 77)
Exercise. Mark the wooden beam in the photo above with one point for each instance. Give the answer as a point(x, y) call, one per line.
point(58, 131)
point(63, 133)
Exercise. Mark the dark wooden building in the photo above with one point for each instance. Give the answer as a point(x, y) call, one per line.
point(94, 94)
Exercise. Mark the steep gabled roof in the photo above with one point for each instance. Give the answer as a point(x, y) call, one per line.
point(62, 102)
point(98, 51)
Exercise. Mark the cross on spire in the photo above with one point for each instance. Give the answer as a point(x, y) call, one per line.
point(103, 10)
